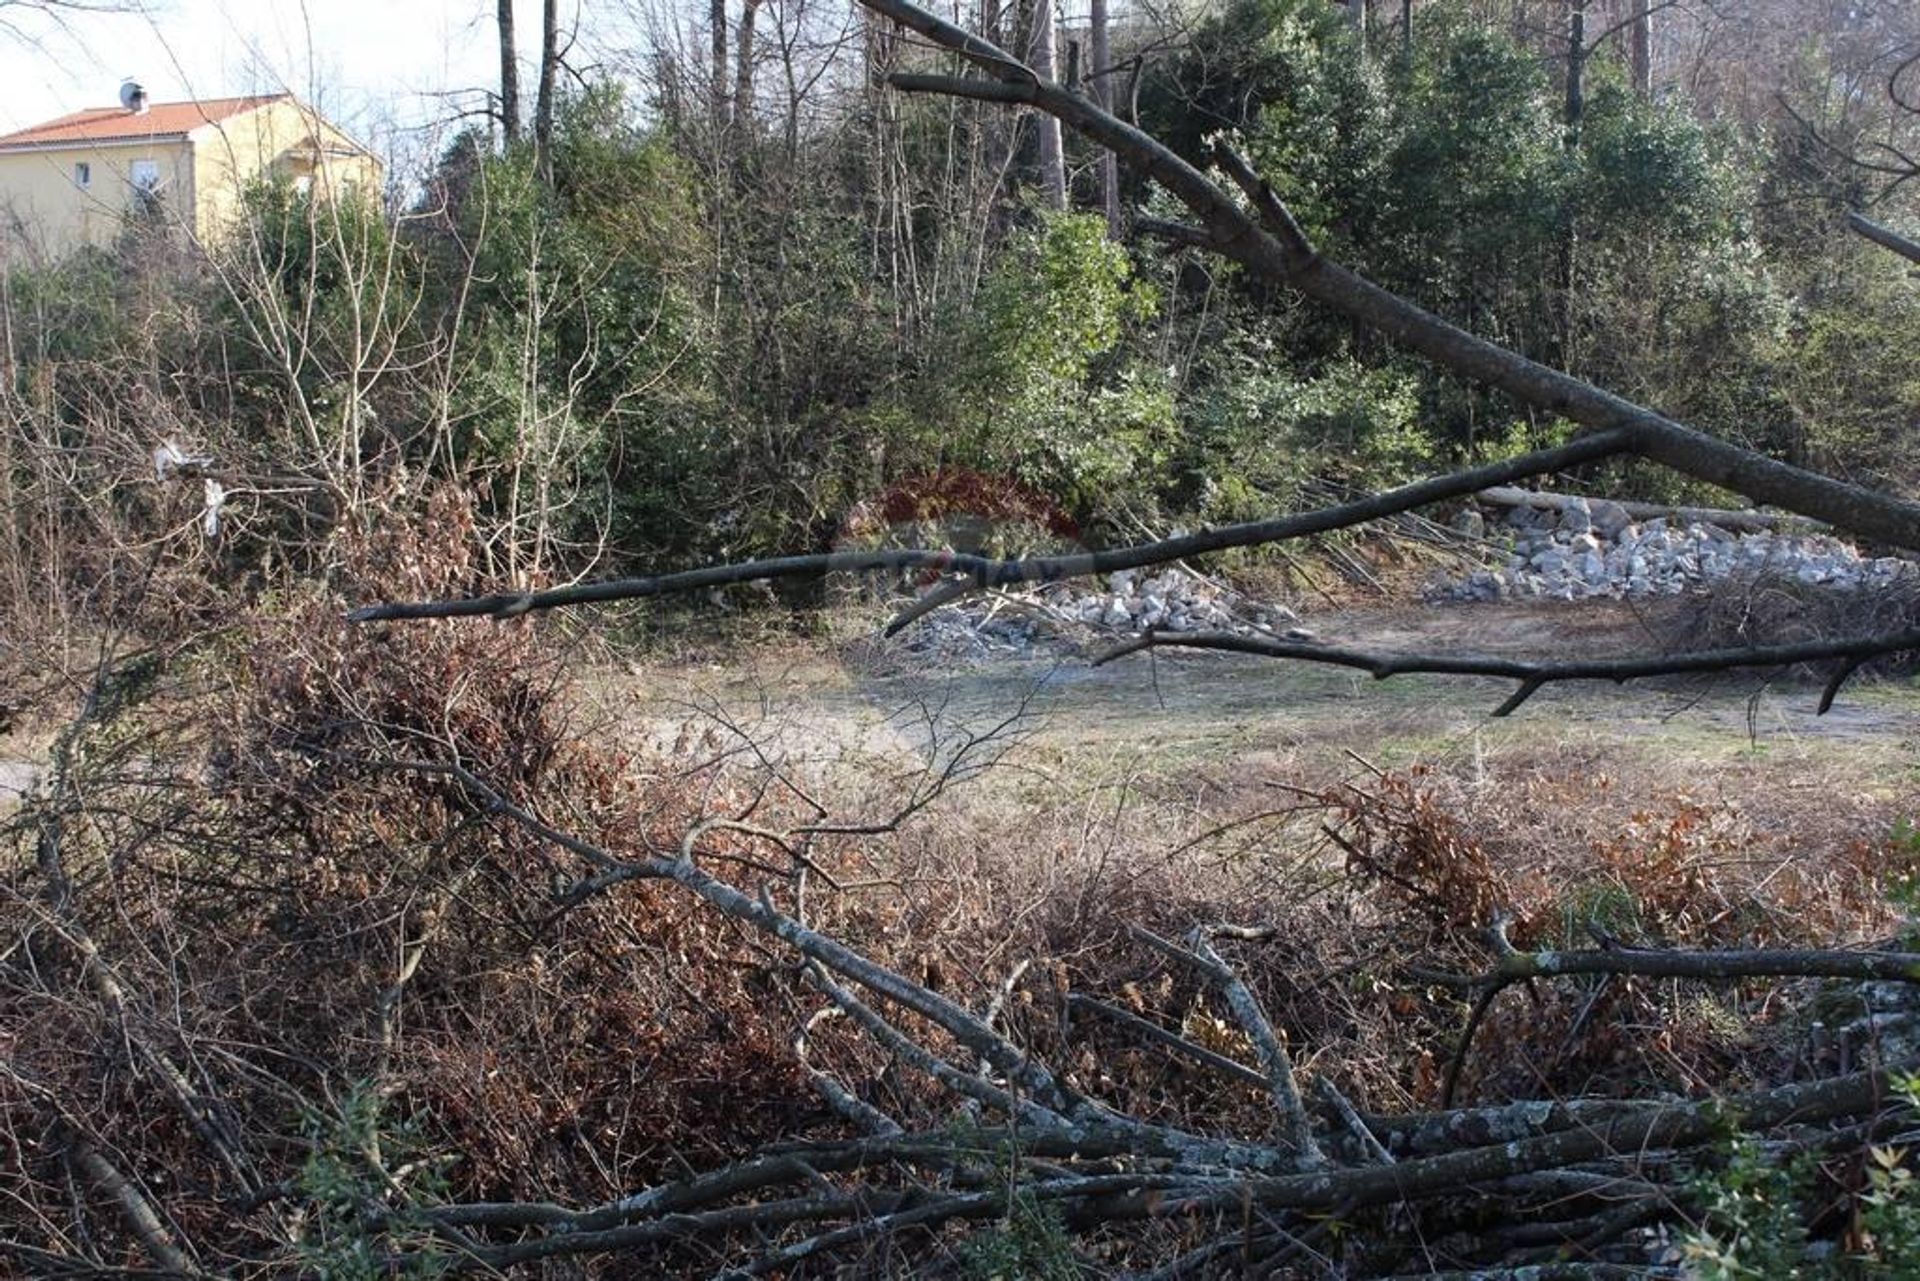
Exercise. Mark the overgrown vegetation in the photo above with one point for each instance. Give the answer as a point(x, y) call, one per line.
point(398, 950)
point(667, 338)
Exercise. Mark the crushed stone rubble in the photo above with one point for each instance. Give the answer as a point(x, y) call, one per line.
point(1593, 549)
point(1131, 601)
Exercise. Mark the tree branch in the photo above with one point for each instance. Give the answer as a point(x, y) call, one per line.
point(987, 572)
point(1199, 953)
point(1885, 237)
point(1172, 1040)
point(1897, 967)
point(1532, 675)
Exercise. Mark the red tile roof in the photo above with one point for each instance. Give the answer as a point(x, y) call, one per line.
point(114, 124)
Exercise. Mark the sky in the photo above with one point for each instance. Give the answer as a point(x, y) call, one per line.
point(370, 65)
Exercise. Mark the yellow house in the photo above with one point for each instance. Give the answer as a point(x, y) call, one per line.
point(75, 180)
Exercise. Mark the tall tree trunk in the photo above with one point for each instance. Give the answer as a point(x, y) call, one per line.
point(1640, 46)
point(997, 134)
point(543, 106)
point(717, 91)
point(743, 65)
point(1100, 76)
point(1567, 252)
point(1406, 28)
point(1053, 154)
point(509, 76)
point(1576, 108)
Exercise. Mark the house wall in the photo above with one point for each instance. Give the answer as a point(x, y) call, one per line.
point(203, 177)
point(44, 208)
point(276, 140)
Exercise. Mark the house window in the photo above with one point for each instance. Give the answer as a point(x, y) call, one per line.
point(82, 175)
point(145, 176)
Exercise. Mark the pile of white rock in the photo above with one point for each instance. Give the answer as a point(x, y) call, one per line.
point(1171, 599)
point(1595, 549)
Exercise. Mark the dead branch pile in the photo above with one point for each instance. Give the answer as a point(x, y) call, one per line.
point(382, 966)
point(1777, 609)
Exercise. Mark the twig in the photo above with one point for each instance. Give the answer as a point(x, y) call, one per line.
point(1199, 953)
point(1369, 1142)
point(1172, 1040)
point(1481, 1006)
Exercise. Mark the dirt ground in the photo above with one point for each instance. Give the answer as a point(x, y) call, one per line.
point(1174, 709)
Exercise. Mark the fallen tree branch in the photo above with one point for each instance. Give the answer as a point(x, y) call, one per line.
point(1895, 967)
point(1090, 1200)
point(1005, 1057)
point(1753, 522)
point(135, 1209)
point(987, 572)
point(1532, 675)
point(1172, 1040)
point(1884, 236)
point(1200, 953)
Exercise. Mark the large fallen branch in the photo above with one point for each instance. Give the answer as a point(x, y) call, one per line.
point(1885, 237)
point(1751, 522)
point(1261, 234)
point(1534, 675)
point(987, 572)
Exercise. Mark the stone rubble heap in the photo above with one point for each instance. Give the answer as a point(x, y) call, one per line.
point(1172, 600)
point(1594, 549)
point(1132, 601)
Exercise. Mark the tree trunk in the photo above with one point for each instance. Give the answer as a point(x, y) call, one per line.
point(1566, 266)
point(743, 65)
point(543, 105)
point(1885, 237)
point(1100, 76)
point(1576, 108)
point(996, 127)
point(717, 90)
point(1053, 154)
point(509, 77)
point(1640, 47)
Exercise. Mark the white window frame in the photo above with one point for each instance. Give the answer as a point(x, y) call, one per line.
point(144, 175)
point(82, 174)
